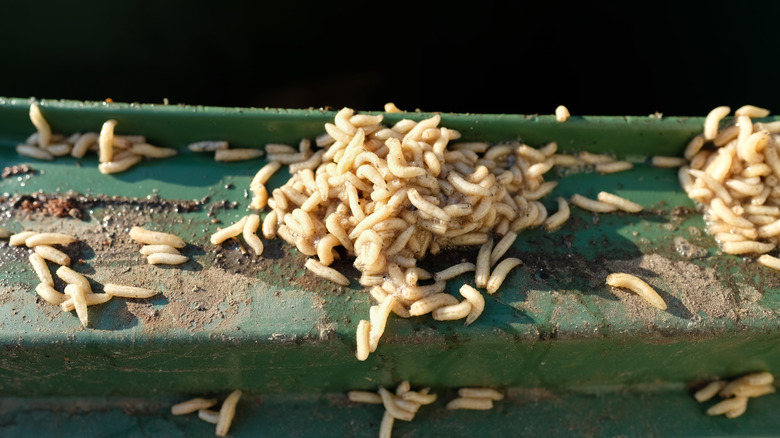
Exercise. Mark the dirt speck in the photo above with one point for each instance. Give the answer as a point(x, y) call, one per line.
point(20, 169)
point(77, 205)
point(687, 249)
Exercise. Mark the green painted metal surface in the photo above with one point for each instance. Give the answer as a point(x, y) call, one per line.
point(524, 413)
point(230, 320)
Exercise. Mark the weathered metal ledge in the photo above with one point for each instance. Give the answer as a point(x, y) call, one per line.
point(231, 320)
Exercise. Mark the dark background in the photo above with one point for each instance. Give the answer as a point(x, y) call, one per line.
point(600, 58)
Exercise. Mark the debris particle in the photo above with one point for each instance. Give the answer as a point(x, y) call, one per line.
point(687, 249)
point(20, 169)
point(221, 205)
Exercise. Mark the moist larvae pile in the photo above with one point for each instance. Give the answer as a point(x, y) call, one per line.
point(392, 195)
point(732, 173)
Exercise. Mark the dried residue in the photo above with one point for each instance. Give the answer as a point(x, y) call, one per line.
point(690, 290)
